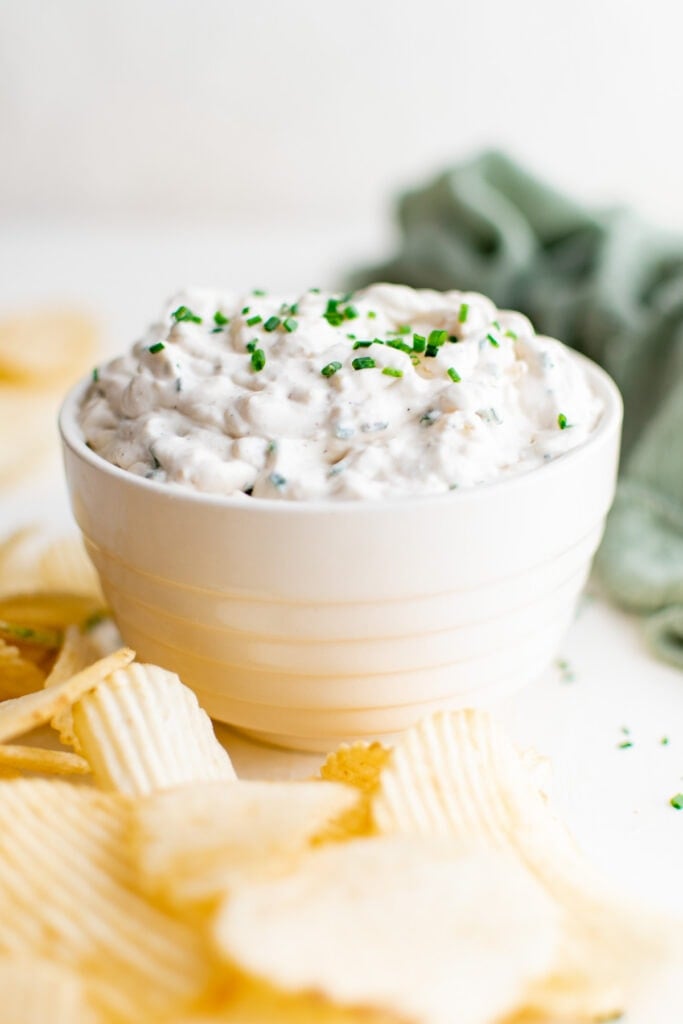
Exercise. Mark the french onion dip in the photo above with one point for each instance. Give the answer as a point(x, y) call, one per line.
point(387, 392)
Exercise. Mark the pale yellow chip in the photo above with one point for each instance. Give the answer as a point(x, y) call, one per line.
point(38, 759)
point(194, 843)
point(358, 765)
point(18, 674)
point(68, 895)
point(412, 927)
point(45, 348)
point(456, 775)
point(143, 731)
point(23, 714)
point(34, 991)
point(49, 611)
point(65, 566)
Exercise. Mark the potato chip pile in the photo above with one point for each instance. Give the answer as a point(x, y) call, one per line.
point(41, 353)
point(141, 881)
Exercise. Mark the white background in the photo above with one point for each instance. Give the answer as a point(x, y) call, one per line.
point(314, 110)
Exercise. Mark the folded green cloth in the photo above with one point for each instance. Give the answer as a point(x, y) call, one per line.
point(610, 286)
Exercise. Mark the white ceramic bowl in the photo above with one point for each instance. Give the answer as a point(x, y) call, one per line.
point(309, 623)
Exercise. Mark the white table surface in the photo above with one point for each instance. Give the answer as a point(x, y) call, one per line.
point(615, 800)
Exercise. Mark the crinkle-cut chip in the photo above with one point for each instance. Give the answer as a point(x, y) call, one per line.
point(38, 759)
point(455, 774)
point(18, 675)
point(195, 842)
point(19, 558)
point(77, 652)
point(359, 765)
point(23, 714)
point(22, 451)
point(414, 927)
point(68, 895)
point(255, 1002)
point(34, 991)
point(45, 347)
point(143, 731)
point(65, 566)
point(49, 611)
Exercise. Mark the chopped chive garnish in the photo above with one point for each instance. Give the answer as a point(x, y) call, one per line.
point(496, 324)
point(259, 292)
point(253, 320)
point(362, 344)
point(677, 802)
point(664, 741)
point(453, 374)
point(404, 328)
point(626, 745)
point(363, 363)
point(96, 374)
point(332, 305)
point(184, 315)
point(562, 421)
point(351, 313)
point(464, 310)
point(352, 336)
point(453, 338)
point(390, 371)
point(400, 345)
point(251, 345)
point(511, 334)
point(437, 338)
point(316, 291)
point(346, 297)
point(419, 342)
point(290, 325)
point(331, 368)
point(494, 341)
point(246, 310)
point(272, 323)
point(258, 359)
point(294, 308)
point(220, 318)
point(432, 351)
point(371, 315)
point(157, 347)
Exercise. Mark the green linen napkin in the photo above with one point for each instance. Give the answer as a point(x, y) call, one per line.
point(607, 284)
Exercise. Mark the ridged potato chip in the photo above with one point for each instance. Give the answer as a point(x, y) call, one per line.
point(38, 759)
point(143, 730)
point(358, 765)
point(76, 653)
point(18, 675)
point(68, 895)
point(65, 566)
point(48, 612)
point(34, 991)
point(45, 347)
point(23, 714)
point(456, 775)
point(195, 842)
point(408, 926)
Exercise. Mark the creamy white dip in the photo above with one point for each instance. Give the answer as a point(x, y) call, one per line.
point(389, 392)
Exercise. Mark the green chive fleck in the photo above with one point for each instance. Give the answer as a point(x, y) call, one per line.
point(626, 745)
point(351, 313)
point(259, 291)
point(253, 320)
point(389, 371)
point(258, 359)
point(437, 338)
point(464, 310)
point(511, 334)
point(404, 329)
point(454, 375)
point(330, 369)
point(363, 363)
point(290, 325)
point(246, 310)
point(251, 345)
point(316, 291)
point(96, 375)
point(494, 341)
point(677, 802)
point(664, 741)
point(272, 323)
point(362, 344)
point(562, 421)
point(277, 480)
point(371, 315)
point(400, 345)
point(419, 342)
point(220, 318)
point(157, 347)
point(184, 315)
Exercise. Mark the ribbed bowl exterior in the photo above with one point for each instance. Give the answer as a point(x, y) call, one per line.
point(311, 623)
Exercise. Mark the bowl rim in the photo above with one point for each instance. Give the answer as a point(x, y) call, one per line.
point(609, 423)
